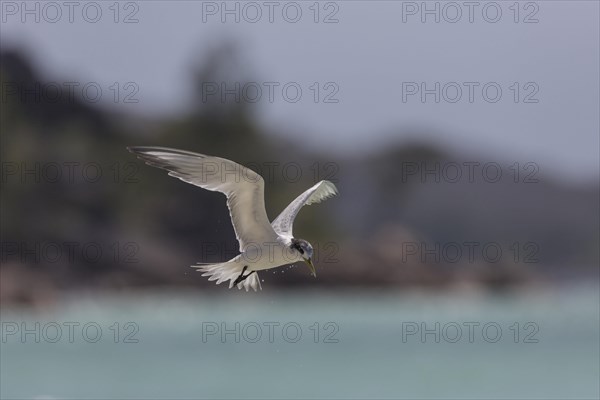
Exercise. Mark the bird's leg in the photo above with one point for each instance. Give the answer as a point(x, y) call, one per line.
point(242, 277)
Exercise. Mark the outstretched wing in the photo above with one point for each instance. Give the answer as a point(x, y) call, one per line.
point(283, 224)
point(243, 187)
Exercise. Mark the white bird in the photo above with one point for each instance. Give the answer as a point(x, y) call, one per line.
point(263, 245)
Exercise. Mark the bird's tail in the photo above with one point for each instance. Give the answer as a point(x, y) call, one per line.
point(229, 271)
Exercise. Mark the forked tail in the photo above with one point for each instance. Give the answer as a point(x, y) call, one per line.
point(229, 271)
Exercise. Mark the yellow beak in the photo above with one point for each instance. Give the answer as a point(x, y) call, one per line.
point(311, 266)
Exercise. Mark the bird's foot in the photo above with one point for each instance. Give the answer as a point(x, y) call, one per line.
point(241, 278)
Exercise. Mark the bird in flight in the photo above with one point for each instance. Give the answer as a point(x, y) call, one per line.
point(263, 245)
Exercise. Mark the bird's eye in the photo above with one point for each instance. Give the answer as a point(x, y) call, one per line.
point(298, 247)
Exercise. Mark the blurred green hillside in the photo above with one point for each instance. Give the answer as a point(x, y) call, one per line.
point(150, 227)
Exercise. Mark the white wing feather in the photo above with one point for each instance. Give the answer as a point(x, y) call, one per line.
point(283, 224)
point(243, 187)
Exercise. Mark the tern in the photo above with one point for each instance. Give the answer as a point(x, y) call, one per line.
point(263, 245)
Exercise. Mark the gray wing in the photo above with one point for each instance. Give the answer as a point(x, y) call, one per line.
point(243, 187)
point(283, 224)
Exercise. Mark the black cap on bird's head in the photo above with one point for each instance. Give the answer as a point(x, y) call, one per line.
point(306, 252)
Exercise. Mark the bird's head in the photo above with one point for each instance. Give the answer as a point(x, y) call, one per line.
point(305, 251)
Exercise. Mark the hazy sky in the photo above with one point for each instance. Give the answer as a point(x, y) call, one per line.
point(375, 60)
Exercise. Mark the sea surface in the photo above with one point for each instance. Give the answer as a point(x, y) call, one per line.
point(464, 344)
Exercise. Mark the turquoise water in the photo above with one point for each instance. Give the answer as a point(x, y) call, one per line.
point(352, 345)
